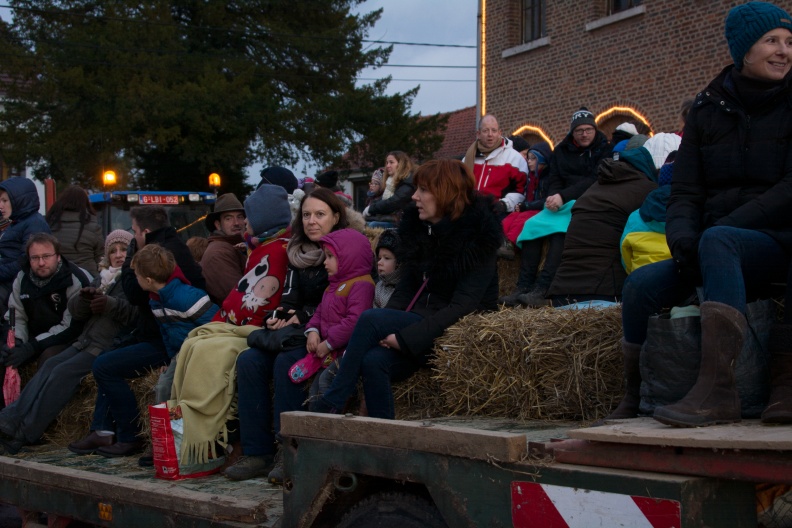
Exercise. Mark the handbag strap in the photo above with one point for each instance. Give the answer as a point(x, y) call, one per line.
point(412, 303)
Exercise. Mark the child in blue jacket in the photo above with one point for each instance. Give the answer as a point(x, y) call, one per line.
point(177, 306)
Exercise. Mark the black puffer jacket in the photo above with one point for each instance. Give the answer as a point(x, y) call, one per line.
point(734, 168)
point(574, 169)
point(459, 259)
point(402, 197)
point(303, 290)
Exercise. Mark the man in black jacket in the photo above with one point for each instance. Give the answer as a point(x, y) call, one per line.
point(115, 400)
point(39, 297)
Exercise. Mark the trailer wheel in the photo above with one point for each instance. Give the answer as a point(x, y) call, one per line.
point(393, 510)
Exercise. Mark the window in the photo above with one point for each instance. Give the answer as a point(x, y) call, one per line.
point(533, 20)
point(614, 6)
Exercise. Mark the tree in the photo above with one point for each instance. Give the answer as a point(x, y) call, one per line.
point(177, 90)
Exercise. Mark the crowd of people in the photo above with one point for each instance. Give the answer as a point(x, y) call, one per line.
point(286, 306)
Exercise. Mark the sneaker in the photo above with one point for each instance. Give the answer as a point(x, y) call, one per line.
point(248, 467)
point(534, 298)
point(276, 475)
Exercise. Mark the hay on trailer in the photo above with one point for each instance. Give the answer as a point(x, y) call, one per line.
point(418, 397)
point(531, 364)
point(75, 419)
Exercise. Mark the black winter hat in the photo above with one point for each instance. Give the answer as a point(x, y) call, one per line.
point(519, 143)
point(388, 239)
point(582, 117)
point(280, 176)
point(327, 179)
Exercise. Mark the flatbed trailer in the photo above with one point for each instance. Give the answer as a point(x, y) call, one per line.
point(352, 472)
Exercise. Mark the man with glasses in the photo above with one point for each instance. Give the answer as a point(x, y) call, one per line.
point(39, 299)
point(573, 168)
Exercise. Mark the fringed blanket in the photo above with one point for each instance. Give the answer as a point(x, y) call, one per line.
point(204, 386)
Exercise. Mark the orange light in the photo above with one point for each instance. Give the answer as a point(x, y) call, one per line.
point(214, 180)
point(109, 178)
point(624, 110)
point(534, 130)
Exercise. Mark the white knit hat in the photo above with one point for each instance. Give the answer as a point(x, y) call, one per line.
point(629, 128)
point(661, 145)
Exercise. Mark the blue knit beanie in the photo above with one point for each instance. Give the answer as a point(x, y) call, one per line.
point(666, 171)
point(746, 23)
point(267, 210)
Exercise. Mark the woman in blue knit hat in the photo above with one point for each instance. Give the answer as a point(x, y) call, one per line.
point(728, 224)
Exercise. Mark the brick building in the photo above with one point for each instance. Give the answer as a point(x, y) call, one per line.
point(625, 60)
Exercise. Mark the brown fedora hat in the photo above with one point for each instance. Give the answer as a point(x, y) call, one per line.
point(225, 203)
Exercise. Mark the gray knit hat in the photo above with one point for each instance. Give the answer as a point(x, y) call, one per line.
point(119, 235)
point(267, 210)
point(746, 23)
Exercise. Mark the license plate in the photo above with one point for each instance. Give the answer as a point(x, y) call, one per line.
point(159, 199)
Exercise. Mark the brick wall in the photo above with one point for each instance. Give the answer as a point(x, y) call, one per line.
point(650, 62)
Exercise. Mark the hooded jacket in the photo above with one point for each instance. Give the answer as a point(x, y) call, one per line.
point(85, 249)
point(591, 261)
point(733, 168)
point(573, 169)
point(351, 289)
point(25, 221)
point(501, 172)
point(458, 259)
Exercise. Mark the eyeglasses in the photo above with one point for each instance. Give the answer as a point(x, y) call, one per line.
point(36, 258)
point(583, 131)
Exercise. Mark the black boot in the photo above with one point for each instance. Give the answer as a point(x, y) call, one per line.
point(779, 407)
point(713, 399)
point(628, 408)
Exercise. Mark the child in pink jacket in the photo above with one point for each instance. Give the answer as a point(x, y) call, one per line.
point(348, 261)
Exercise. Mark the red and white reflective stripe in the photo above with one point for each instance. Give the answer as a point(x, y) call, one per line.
point(549, 506)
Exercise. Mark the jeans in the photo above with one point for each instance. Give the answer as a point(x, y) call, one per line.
point(111, 370)
point(377, 365)
point(735, 264)
point(383, 225)
point(289, 396)
point(254, 373)
point(46, 394)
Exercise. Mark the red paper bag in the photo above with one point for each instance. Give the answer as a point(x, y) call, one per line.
point(165, 442)
point(12, 383)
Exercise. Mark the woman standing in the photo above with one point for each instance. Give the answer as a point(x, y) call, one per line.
point(321, 212)
point(399, 189)
point(72, 220)
point(449, 269)
point(728, 223)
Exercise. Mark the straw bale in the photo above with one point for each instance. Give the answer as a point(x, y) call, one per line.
point(74, 421)
point(508, 270)
point(531, 364)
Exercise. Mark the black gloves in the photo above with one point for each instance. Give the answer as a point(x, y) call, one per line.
point(19, 354)
point(98, 304)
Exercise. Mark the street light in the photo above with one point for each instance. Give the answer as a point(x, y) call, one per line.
point(109, 178)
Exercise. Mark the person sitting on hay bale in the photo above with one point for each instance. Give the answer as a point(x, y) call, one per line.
point(728, 224)
point(103, 311)
point(448, 260)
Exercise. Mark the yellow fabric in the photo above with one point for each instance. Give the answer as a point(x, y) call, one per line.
point(640, 248)
point(204, 386)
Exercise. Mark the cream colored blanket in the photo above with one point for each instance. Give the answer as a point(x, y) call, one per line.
point(204, 386)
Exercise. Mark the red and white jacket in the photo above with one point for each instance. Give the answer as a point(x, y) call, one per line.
point(501, 172)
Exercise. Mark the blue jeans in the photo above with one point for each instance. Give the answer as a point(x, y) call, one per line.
point(289, 396)
point(378, 366)
point(254, 372)
point(734, 263)
point(115, 399)
point(383, 225)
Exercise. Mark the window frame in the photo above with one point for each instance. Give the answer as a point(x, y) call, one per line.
point(537, 10)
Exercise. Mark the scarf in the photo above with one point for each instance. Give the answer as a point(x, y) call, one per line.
point(476, 150)
point(385, 288)
point(253, 242)
point(305, 255)
point(108, 277)
point(38, 281)
point(390, 187)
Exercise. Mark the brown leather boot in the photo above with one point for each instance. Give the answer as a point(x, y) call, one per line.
point(779, 408)
point(628, 408)
point(713, 399)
